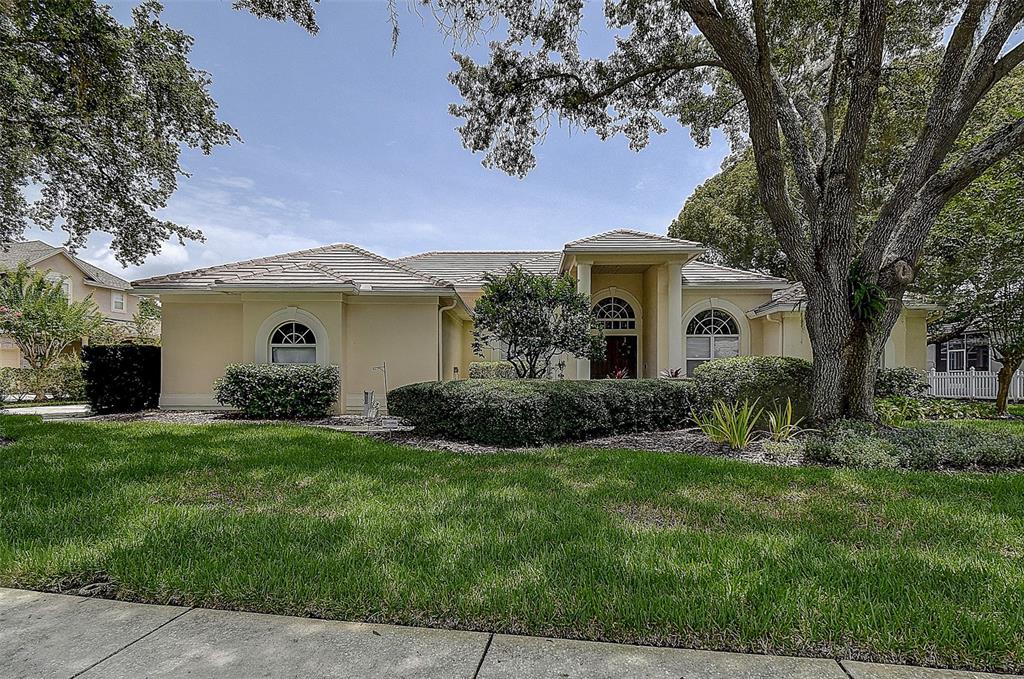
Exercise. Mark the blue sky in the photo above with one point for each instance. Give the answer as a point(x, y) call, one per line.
point(343, 142)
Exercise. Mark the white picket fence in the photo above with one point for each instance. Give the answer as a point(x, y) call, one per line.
point(972, 384)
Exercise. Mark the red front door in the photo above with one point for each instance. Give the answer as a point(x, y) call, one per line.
point(619, 358)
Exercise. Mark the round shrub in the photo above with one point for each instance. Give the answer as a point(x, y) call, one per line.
point(492, 370)
point(275, 392)
point(121, 378)
point(769, 380)
point(534, 412)
point(900, 382)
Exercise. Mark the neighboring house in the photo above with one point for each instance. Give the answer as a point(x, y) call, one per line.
point(971, 350)
point(342, 305)
point(78, 278)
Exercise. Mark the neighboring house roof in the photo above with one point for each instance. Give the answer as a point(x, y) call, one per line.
point(712, 275)
point(468, 267)
point(794, 298)
point(332, 267)
point(34, 251)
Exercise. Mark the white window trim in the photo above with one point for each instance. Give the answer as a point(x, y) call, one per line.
point(61, 280)
point(116, 297)
point(728, 307)
point(274, 320)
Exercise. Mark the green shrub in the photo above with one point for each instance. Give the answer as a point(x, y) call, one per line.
point(768, 379)
point(896, 410)
point(849, 447)
point(275, 392)
point(63, 380)
point(731, 423)
point(492, 370)
point(122, 378)
point(923, 446)
point(534, 412)
point(900, 382)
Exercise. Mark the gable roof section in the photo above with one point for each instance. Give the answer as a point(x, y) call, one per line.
point(332, 267)
point(635, 241)
point(34, 251)
point(467, 268)
point(793, 298)
point(712, 275)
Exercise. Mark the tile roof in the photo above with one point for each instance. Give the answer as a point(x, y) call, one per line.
point(468, 268)
point(330, 267)
point(794, 297)
point(703, 273)
point(32, 251)
point(631, 240)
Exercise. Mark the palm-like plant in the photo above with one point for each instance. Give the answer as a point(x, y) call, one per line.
point(734, 424)
point(781, 425)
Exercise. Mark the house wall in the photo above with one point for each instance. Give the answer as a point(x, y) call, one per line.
point(452, 343)
point(199, 336)
point(59, 264)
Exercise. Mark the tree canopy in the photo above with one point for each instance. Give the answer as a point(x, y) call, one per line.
point(534, 318)
point(36, 314)
point(93, 115)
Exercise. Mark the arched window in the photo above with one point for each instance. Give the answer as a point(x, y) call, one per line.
point(292, 343)
point(711, 334)
point(615, 313)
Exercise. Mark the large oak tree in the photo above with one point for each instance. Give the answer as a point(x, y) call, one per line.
point(93, 116)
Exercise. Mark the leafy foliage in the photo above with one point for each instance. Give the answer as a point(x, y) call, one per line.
point(62, 381)
point(901, 381)
point(37, 315)
point(93, 115)
point(491, 370)
point(734, 424)
point(123, 378)
point(783, 425)
point(533, 412)
point(279, 391)
point(772, 380)
point(534, 318)
point(724, 214)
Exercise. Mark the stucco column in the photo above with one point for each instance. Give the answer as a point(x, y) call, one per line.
point(675, 315)
point(583, 285)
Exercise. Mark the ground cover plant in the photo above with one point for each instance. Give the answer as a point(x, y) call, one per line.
point(651, 547)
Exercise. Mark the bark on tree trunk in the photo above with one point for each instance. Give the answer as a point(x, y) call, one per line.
point(1005, 379)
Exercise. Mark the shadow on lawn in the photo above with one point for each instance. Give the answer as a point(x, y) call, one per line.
point(636, 547)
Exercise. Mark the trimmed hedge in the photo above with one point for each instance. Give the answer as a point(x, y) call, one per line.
point(535, 412)
point(900, 382)
point(276, 392)
point(767, 379)
point(121, 378)
point(492, 370)
point(63, 381)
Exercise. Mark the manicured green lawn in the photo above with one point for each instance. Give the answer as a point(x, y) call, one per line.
point(626, 546)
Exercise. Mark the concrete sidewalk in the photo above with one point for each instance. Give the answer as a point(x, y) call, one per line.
point(53, 635)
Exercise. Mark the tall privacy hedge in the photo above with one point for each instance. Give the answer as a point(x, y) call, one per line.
point(532, 412)
point(121, 378)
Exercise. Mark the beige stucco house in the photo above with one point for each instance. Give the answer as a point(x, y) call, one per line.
point(661, 307)
point(80, 280)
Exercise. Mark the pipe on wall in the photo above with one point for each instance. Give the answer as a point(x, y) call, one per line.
point(440, 337)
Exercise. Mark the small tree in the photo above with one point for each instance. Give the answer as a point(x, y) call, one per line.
point(37, 315)
point(536, 318)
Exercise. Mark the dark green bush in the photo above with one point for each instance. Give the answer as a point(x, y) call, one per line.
point(62, 381)
point(534, 412)
point(121, 378)
point(492, 370)
point(276, 392)
point(925, 445)
point(769, 380)
point(900, 382)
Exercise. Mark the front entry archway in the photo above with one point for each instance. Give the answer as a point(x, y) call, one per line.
point(617, 313)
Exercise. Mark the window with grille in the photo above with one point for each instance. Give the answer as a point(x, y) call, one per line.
point(615, 313)
point(711, 334)
point(292, 343)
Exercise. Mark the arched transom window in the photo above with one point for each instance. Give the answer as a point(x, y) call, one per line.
point(711, 334)
point(615, 313)
point(292, 343)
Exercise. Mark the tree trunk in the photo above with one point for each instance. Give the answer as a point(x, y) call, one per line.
point(1006, 373)
point(845, 356)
